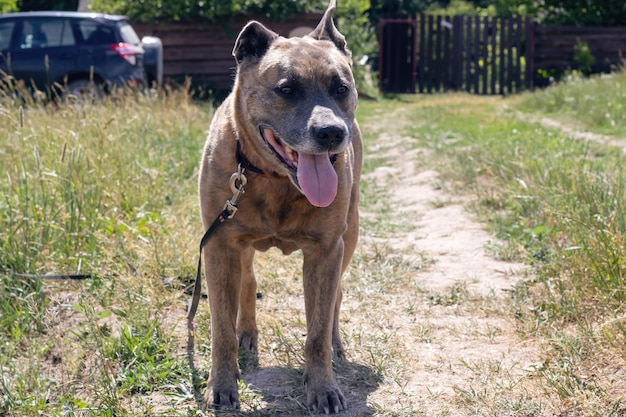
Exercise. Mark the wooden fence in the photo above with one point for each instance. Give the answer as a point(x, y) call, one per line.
point(486, 55)
point(204, 52)
point(482, 55)
point(555, 46)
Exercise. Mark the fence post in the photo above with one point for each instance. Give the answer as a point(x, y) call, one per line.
point(457, 52)
point(530, 54)
point(421, 53)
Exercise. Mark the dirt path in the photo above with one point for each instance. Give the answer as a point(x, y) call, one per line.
point(575, 132)
point(460, 354)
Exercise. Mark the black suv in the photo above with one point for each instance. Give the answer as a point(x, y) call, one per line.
point(74, 51)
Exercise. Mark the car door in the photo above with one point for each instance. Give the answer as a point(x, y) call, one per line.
point(7, 28)
point(95, 40)
point(43, 51)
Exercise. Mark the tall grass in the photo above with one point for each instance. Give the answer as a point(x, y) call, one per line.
point(107, 190)
point(597, 103)
point(78, 179)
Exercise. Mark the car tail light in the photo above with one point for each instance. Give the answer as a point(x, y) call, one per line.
point(125, 51)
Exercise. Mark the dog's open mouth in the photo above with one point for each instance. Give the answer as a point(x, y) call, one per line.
point(313, 174)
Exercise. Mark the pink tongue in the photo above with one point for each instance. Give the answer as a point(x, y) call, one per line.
point(317, 178)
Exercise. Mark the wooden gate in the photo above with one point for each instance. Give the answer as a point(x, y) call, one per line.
point(480, 55)
point(398, 58)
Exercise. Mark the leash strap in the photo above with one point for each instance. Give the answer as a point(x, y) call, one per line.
point(197, 287)
point(237, 182)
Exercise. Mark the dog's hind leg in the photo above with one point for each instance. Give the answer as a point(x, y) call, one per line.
point(247, 331)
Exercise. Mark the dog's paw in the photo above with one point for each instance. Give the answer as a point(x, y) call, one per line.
point(224, 399)
point(222, 393)
point(327, 398)
point(248, 342)
point(248, 355)
point(339, 353)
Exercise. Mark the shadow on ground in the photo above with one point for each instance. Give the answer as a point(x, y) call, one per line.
point(278, 390)
point(282, 393)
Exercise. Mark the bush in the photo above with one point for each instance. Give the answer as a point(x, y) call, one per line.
point(8, 6)
point(208, 11)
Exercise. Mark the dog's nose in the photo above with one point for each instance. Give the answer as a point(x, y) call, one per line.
point(329, 135)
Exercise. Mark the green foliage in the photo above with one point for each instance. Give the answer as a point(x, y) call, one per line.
point(524, 8)
point(8, 6)
point(583, 57)
point(591, 13)
point(566, 12)
point(144, 355)
point(455, 8)
point(352, 21)
point(209, 11)
point(402, 7)
point(22, 305)
point(33, 5)
point(393, 8)
point(94, 188)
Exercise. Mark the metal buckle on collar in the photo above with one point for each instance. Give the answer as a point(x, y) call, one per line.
point(237, 183)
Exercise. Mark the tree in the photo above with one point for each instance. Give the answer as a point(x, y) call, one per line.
point(206, 11)
point(31, 5)
point(585, 12)
point(8, 6)
point(383, 8)
point(567, 12)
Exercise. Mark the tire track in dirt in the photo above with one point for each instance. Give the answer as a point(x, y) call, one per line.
point(575, 132)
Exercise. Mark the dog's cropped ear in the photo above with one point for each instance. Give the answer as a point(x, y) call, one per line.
point(326, 30)
point(253, 41)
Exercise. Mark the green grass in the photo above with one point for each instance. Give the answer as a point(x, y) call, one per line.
point(106, 190)
point(109, 190)
point(596, 104)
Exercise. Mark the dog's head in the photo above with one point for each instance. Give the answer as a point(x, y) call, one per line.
point(298, 98)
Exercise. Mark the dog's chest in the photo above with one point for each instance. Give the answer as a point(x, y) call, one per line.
point(277, 220)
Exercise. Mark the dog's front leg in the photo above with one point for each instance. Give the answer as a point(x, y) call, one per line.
point(223, 272)
point(322, 268)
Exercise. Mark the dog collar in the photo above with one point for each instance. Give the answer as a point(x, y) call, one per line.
point(244, 163)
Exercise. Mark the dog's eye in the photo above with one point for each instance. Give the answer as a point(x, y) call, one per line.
point(285, 90)
point(343, 89)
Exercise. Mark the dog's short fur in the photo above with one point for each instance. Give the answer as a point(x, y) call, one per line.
point(292, 112)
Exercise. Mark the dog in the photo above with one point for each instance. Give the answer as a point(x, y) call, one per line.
point(289, 124)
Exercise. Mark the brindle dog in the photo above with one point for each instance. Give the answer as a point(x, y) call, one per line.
point(290, 122)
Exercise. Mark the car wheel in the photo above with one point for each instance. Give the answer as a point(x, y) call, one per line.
point(80, 91)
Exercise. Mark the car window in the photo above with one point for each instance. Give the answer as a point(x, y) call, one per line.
point(128, 33)
point(6, 29)
point(95, 33)
point(43, 33)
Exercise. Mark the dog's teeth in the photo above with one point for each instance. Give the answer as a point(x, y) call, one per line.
point(291, 155)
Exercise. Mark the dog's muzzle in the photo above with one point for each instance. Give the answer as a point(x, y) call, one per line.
point(312, 173)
